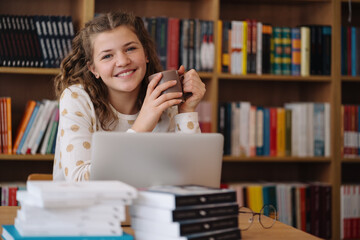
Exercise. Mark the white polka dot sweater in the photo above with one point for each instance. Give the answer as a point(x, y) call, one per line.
point(78, 122)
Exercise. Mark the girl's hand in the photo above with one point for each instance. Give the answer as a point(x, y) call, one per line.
point(191, 84)
point(155, 104)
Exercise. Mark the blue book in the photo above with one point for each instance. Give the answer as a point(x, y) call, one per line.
point(353, 51)
point(319, 130)
point(10, 233)
point(266, 132)
point(28, 127)
point(259, 131)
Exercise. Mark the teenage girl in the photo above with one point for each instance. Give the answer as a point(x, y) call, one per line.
point(103, 86)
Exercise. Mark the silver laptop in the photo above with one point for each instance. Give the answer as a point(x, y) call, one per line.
point(146, 159)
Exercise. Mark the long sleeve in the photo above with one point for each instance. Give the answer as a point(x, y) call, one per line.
point(76, 124)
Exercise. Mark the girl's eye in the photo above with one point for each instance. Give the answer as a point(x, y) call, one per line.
point(130, 49)
point(106, 56)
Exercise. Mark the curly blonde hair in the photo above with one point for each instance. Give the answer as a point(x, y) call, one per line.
point(74, 67)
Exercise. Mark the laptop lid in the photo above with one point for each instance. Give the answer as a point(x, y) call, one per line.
point(146, 159)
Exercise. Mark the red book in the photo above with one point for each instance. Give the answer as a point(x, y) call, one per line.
point(355, 128)
point(173, 43)
point(346, 130)
point(303, 208)
point(12, 196)
point(273, 129)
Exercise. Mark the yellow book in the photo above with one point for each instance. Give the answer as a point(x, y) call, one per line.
point(280, 132)
point(219, 45)
point(255, 197)
point(244, 62)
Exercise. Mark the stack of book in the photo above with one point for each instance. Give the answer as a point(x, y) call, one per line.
point(185, 212)
point(79, 210)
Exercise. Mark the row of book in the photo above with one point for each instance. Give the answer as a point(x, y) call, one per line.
point(187, 42)
point(5, 125)
point(299, 129)
point(8, 193)
point(306, 206)
point(350, 130)
point(34, 41)
point(63, 210)
point(185, 212)
point(350, 51)
point(38, 128)
point(350, 211)
point(251, 46)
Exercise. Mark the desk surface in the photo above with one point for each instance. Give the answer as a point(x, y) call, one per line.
point(279, 231)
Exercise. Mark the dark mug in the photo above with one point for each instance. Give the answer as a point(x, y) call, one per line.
point(170, 75)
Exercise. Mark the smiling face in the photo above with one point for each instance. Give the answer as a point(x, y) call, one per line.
point(119, 59)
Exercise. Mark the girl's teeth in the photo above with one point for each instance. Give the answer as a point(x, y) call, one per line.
point(125, 74)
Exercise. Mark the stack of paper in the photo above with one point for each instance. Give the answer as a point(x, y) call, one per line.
point(93, 208)
point(185, 212)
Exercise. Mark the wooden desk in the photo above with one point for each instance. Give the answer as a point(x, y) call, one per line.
point(279, 231)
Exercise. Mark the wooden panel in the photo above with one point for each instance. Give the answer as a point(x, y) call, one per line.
point(350, 93)
point(247, 172)
point(11, 171)
point(202, 9)
point(272, 94)
point(355, 16)
point(283, 13)
point(350, 173)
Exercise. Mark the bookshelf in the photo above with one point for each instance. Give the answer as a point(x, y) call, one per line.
point(25, 83)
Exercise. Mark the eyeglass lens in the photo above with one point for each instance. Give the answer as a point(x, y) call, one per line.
point(268, 216)
point(246, 219)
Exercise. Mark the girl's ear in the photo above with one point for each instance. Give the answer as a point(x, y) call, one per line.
point(147, 60)
point(91, 67)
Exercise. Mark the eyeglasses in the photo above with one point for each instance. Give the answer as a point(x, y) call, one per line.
point(267, 217)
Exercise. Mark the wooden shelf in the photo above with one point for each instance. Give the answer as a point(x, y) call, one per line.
point(351, 160)
point(271, 77)
point(38, 71)
point(350, 78)
point(206, 75)
point(278, 159)
point(35, 157)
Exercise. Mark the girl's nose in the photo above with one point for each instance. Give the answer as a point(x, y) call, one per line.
point(122, 59)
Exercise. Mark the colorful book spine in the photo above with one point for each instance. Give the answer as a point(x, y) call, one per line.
point(295, 51)
point(278, 50)
point(286, 51)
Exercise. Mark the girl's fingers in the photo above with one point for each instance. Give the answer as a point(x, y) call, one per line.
point(162, 107)
point(152, 84)
point(162, 87)
point(167, 97)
